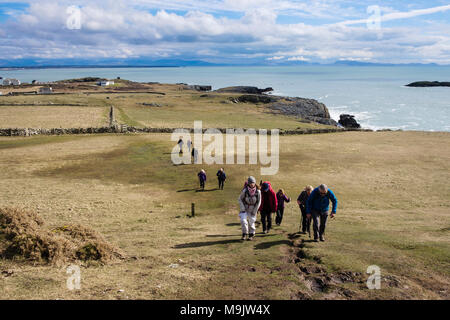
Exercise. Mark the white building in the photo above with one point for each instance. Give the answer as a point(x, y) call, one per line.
point(105, 83)
point(11, 82)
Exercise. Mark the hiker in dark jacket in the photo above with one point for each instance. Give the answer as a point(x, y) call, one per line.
point(221, 176)
point(305, 222)
point(268, 205)
point(281, 199)
point(202, 179)
point(194, 155)
point(180, 144)
point(317, 206)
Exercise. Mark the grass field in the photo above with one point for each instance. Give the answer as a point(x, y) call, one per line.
point(177, 108)
point(52, 117)
point(393, 212)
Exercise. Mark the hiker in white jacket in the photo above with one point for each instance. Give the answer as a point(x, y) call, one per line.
point(249, 202)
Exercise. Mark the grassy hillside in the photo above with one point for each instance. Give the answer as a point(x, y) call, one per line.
point(393, 212)
point(154, 105)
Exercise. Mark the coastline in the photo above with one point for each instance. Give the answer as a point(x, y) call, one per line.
point(376, 103)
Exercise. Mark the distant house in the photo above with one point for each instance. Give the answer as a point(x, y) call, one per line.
point(105, 83)
point(45, 90)
point(11, 82)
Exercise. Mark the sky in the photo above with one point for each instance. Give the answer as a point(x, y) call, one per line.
point(228, 31)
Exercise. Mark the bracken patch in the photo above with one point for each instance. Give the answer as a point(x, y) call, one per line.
point(24, 236)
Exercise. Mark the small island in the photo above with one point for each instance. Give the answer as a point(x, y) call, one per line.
point(429, 84)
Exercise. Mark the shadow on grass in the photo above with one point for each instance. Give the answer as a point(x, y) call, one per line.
point(294, 235)
point(207, 190)
point(267, 245)
point(186, 190)
point(234, 224)
point(197, 190)
point(205, 244)
point(220, 235)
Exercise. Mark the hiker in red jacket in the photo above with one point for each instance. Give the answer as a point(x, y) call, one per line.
point(268, 205)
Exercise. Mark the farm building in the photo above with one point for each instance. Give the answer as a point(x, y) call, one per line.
point(45, 90)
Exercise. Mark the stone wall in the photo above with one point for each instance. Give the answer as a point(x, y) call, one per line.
point(25, 132)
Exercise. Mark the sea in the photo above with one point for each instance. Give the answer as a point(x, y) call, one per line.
point(375, 95)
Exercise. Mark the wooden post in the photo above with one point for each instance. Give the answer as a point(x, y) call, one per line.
point(193, 209)
point(111, 117)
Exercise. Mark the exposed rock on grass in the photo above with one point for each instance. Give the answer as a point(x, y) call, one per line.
point(85, 79)
point(308, 109)
point(254, 98)
point(24, 236)
point(198, 87)
point(244, 89)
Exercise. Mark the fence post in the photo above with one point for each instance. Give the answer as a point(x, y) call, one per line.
point(193, 209)
point(111, 117)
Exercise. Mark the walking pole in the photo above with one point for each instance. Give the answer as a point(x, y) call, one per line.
point(308, 221)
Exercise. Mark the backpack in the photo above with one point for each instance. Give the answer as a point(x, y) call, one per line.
point(247, 194)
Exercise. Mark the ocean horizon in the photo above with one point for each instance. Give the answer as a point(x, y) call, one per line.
point(376, 95)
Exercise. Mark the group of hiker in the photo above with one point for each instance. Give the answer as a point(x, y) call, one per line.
point(192, 150)
point(221, 177)
point(314, 205)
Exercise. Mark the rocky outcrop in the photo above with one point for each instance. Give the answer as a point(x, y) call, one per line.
point(198, 87)
point(348, 121)
point(244, 89)
point(429, 84)
point(151, 104)
point(254, 98)
point(86, 79)
point(308, 109)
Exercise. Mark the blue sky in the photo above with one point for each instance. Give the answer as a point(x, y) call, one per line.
point(229, 31)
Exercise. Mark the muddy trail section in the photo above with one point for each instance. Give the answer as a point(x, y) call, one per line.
point(323, 284)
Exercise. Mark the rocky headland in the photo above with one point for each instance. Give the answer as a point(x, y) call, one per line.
point(423, 84)
point(307, 109)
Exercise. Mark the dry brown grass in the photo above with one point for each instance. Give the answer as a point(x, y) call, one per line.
point(392, 189)
point(25, 237)
point(52, 117)
point(393, 212)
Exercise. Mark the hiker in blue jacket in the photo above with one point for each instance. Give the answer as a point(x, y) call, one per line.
point(221, 177)
point(317, 205)
point(202, 178)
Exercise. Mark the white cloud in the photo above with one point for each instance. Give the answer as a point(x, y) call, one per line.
point(400, 15)
point(301, 58)
point(121, 30)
